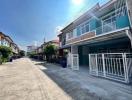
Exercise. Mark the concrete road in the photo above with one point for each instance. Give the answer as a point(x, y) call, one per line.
point(25, 79)
point(21, 80)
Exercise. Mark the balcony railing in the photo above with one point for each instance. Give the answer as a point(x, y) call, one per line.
point(100, 30)
point(106, 28)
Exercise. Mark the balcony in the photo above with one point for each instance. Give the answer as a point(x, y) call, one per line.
point(100, 30)
point(109, 25)
point(106, 28)
point(82, 37)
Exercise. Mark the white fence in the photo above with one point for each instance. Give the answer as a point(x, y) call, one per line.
point(116, 66)
point(73, 61)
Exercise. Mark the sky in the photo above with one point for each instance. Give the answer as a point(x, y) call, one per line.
point(30, 21)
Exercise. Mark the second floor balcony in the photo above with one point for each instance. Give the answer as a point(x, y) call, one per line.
point(109, 25)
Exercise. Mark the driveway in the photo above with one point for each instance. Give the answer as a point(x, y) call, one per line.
point(25, 79)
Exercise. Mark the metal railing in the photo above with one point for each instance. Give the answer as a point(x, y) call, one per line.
point(106, 28)
point(115, 66)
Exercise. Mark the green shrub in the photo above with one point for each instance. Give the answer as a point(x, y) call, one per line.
point(22, 53)
point(5, 52)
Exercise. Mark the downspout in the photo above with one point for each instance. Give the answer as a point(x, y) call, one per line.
point(129, 33)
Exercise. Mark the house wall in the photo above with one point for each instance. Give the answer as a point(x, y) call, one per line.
point(122, 21)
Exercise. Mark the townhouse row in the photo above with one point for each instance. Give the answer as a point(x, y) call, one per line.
point(7, 41)
point(101, 40)
point(39, 50)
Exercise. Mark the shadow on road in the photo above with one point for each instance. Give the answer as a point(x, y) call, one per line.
point(81, 86)
point(68, 81)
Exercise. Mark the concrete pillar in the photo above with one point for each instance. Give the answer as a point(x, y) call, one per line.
point(74, 49)
point(129, 8)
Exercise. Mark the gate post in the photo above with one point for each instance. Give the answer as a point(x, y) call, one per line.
point(125, 68)
point(103, 59)
point(90, 69)
point(96, 64)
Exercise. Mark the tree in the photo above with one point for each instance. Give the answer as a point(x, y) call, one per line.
point(50, 51)
point(6, 52)
point(22, 53)
point(31, 54)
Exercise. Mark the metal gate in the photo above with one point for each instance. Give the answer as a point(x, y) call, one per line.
point(116, 66)
point(73, 61)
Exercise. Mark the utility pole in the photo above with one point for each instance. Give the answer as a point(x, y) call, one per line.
point(44, 40)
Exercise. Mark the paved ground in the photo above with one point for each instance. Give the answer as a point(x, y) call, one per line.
point(31, 80)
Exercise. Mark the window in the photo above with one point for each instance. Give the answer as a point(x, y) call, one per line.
point(69, 35)
point(78, 31)
point(83, 28)
point(87, 27)
point(109, 24)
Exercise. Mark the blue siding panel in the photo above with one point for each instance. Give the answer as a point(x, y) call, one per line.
point(122, 22)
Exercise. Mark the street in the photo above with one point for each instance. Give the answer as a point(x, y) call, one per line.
point(26, 79)
point(20, 80)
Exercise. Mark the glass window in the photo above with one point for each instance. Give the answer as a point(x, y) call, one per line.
point(87, 27)
point(83, 29)
point(78, 31)
point(74, 32)
point(107, 21)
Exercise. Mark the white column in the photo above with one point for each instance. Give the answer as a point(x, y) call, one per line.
point(129, 9)
point(96, 64)
point(103, 58)
point(74, 57)
point(74, 49)
point(129, 34)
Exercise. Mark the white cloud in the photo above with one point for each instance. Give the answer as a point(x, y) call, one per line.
point(58, 29)
point(22, 47)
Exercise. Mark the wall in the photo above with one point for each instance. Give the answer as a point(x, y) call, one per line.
point(122, 21)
